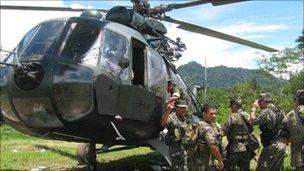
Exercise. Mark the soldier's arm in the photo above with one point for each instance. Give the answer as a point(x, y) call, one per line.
point(284, 132)
point(252, 117)
point(175, 95)
point(164, 118)
point(212, 141)
point(227, 126)
point(217, 154)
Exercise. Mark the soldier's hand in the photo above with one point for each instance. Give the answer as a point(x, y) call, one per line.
point(172, 99)
point(171, 105)
point(255, 104)
point(221, 165)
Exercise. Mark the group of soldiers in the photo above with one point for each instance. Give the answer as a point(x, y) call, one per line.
point(196, 144)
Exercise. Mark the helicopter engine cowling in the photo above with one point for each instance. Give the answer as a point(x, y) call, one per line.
point(131, 18)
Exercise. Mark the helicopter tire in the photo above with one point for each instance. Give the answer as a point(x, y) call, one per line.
point(86, 155)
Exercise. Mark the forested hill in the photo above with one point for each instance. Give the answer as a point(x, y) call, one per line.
point(225, 77)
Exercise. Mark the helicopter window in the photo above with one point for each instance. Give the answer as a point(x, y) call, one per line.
point(73, 90)
point(80, 42)
point(156, 73)
point(26, 39)
point(42, 40)
point(138, 62)
point(114, 49)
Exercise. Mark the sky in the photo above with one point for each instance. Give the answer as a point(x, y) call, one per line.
point(275, 24)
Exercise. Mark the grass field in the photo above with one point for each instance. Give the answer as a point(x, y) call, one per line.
point(22, 152)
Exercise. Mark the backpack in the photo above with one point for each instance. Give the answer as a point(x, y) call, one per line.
point(190, 139)
point(190, 134)
point(252, 142)
point(270, 135)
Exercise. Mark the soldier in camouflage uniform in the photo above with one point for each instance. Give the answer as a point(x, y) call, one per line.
point(208, 156)
point(176, 92)
point(270, 122)
point(174, 120)
point(293, 130)
point(238, 132)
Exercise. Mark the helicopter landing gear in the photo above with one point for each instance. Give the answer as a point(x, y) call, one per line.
point(86, 155)
point(104, 148)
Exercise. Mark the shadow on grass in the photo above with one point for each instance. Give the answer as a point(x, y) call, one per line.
point(57, 151)
point(136, 162)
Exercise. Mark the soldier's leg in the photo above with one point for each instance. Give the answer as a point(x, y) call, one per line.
point(263, 159)
point(244, 162)
point(272, 157)
point(237, 160)
point(280, 149)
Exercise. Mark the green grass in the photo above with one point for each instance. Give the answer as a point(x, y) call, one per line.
point(22, 152)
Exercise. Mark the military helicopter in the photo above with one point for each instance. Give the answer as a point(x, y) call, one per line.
point(100, 78)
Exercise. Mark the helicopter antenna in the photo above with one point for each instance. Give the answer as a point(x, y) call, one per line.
point(206, 84)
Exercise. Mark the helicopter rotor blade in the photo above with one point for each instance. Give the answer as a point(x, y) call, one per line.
point(216, 34)
point(40, 8)
point(200, 2)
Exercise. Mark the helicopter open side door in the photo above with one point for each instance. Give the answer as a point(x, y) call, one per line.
point(129, 95)
point(135, 101)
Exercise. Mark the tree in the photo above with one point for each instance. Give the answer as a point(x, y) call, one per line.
point(300, 40)
point(288, 62)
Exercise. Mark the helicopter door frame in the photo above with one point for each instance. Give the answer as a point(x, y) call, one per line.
point(139, 63)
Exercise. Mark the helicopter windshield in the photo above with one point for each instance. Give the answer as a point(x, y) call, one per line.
point(81, 42)
point(41, 40)
point(114, 49)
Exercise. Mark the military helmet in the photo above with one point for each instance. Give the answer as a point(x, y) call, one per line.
point(235, 101)
point(300, 96)
point(265, 97)
point(299, 93)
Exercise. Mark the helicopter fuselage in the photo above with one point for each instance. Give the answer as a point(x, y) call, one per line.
point(70, 84)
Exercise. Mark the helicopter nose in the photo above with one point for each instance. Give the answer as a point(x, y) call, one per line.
point(28, 76)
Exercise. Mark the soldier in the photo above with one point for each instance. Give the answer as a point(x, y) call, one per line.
point(238, 132)
point(293, 130)
point(208, 155)
point(175, 121)
point(270, 122)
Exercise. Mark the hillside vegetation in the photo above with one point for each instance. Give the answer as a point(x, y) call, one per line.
point(222, 76)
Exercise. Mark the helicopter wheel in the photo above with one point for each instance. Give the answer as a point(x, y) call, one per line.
point(86, 155)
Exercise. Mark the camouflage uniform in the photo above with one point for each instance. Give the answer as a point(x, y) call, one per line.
point(237, 131)
point(207, 134)
point(175, 126)
point(178, 92)
point(272, 155)
point(292, 131)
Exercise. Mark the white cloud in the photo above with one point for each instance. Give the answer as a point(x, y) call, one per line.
point(216, 51)
point(76, 5)
point(243, 27)
point(15, 23)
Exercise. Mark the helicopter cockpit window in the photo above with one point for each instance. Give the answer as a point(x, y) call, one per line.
point(41, 40)
point(26, 39)
point(81, 43)
point(114, 49)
